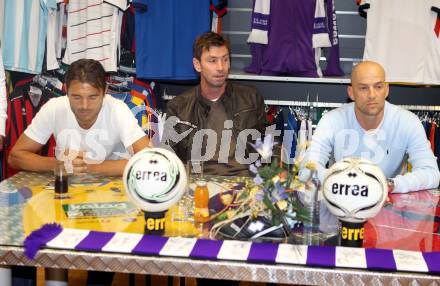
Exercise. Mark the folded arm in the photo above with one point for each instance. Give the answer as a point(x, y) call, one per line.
point(319, 151)
point(24, 156)
point(83, 166)
point(424, 173)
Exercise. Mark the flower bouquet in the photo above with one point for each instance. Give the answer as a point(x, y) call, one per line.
point(270, 206)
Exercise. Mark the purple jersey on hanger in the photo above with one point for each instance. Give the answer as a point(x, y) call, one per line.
point(333, 67)
point(289, 50)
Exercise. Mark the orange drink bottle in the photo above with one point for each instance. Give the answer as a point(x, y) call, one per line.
point(201, 200)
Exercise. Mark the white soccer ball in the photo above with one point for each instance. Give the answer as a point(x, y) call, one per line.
point(155, 179)
point(355, 189)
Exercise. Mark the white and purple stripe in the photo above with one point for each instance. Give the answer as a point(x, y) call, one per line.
point(321, 256)
point(260, 22)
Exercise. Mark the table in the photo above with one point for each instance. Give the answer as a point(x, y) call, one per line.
point(13, 197)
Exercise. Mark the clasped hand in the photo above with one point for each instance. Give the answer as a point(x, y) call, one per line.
point(78, 165)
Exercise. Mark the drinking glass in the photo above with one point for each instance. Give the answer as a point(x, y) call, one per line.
point(194, 170)
point(61, 178)
point(182, 215)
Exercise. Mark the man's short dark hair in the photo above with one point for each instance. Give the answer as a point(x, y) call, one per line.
point(86, 71)
point(208, 40)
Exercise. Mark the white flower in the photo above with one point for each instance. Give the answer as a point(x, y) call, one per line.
point(264, 148)
point(253, 169)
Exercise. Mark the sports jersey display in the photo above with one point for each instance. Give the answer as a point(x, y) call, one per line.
point(296, 29)
point(333, 67)
point(22, 108)
point(401, 36)
point(54, 32)
point(93, 29)
point(24, 34)
point(165, 31)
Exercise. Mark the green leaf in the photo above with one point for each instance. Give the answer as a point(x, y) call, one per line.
point(274, 163)
point(302, 214)
point(276, 220)
point(268, 203)
point(222, 216)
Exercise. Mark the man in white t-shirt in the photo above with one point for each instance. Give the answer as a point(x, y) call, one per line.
point(99, 130)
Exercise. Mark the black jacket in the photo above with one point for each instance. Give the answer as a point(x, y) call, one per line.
point(243, 104)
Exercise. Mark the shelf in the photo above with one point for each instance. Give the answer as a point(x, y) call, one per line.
point(336, 105)
point(167, 96)
point(240, 75)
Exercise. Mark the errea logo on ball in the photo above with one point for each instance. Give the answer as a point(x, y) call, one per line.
point(350, 190)
point(151, 175)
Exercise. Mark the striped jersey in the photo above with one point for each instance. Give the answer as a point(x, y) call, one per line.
point(24, 34)
point(93, 29)
point(21, 111)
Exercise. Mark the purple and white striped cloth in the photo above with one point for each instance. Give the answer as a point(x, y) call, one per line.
point(53, 236)
point(260, 22)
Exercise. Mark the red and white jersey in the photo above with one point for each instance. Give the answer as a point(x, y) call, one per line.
point(93, 29)
point(402, 36)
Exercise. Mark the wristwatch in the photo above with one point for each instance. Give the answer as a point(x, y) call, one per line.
point(390, 183)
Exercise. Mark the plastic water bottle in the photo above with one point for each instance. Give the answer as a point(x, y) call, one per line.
point(311, 226)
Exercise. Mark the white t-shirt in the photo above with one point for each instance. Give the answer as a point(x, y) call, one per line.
point(401, 37)
point(110, 137)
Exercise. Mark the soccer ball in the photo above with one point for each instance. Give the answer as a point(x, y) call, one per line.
point(155, 179)
point(355, 189)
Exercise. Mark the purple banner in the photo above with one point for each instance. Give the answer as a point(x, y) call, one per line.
point(433, 261)
point(263, 252)
point(319, 26)
point(150, 245)
point(321, 256)
point(206, 249)
point(260, 21)
point(95, 241)
point(381, 259)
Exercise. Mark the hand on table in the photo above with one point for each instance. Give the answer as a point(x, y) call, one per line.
point(80, 167)
point(74, 162)
point(390, 184)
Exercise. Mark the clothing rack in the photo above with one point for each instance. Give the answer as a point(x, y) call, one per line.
point(167, 96)
point(335, 105)
point(302, 103)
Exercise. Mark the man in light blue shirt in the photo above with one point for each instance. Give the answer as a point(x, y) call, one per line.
point(376, 130)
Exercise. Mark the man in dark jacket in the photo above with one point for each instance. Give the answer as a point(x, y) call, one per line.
point(216, 119)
